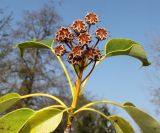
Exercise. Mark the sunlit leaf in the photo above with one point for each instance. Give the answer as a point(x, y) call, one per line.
point(120, 46)
point(147, 123)
point(14, 121)
point(43, 121)
point(121, 125)
point(8, 100)
point(43, 44)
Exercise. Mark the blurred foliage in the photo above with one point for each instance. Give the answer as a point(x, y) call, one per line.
point(155, 56)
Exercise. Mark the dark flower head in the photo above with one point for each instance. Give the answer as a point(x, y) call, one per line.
point(77, 52)
point(91, 18)
point(93, 54)
point(59, 50)
point(74, 60)
point(76, 38)
point(76, 55)
point(79, 26)
point(64, 34)
point(101, 33)
point(84, 39)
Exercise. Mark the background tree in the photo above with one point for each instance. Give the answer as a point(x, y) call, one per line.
point(39, 74)
point(155, 91)
point(6, 80)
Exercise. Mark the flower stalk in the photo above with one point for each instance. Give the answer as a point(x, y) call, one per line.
point(74, 102)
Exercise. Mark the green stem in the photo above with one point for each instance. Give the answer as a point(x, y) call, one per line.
point(45, 95)
point(69, 121)
point(89, 72)
point(74, 102)
point(97, 102)
point(66, 73)
point(93, 110)
point(86, 79)
point(77, 91)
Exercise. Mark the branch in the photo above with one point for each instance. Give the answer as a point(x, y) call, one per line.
point(45, 95)
point(89, 72)
point(97, 102)
point(66, 72)
point(96, 43)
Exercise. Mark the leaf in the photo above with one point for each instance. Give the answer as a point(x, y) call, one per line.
point(14, 121)
point(44, 44)
point(146, 123)
point(121, 125)
point(144, 120)
point(43, 121)
point(120, 46)
point(8, 100)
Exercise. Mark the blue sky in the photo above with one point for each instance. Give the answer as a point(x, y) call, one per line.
point(119, 78)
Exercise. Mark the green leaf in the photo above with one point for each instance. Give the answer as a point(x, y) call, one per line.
point(144, 120)
point(14, 121)
point(146, 123)
point(8, 100)
point(45, 44)
point(121, 125)
point(120, 46)
point(43, 121)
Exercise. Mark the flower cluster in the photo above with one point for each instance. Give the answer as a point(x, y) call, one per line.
point(75, 41)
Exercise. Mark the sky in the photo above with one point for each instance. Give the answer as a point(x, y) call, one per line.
point(118, 78)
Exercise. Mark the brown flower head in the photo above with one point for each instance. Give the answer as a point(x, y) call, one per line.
point(91, 18)
point(101, 33)
point(59, 50)
point(74, 60)
point(84, 39)
point(64, 34)
point(93, 54)
point(77, 52)
point(79, 26)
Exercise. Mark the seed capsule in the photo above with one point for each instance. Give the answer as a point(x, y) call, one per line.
point(77, 52)
point(64, 34)
point(91, 18)
point(93, 54)
point(74, 60)
point(60, 50)
point(79, 26)
point(101, 33)
point(84, 39)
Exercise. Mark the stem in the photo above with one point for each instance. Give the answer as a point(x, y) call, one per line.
point(93, 110)
point(88, 64)
point(71, 44)
point(85, 81)
point(89, 72)
point(75, 69)
point(66, 72)
point(57, 106)
point(74, 102)
point(96, 43)
point(67, 130)
point(97, 102)
point(89, 26)
point(45, 95)
point(68, 45)
point(78, 88)
point(69, 122)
